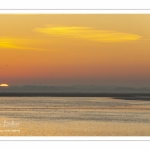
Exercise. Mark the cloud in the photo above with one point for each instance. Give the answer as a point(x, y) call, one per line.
point(88, 33)
point(7, 43)
point(12, 43)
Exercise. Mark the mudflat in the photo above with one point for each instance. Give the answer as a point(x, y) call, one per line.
point(74, 116)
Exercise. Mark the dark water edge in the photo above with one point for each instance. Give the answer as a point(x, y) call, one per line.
point(125, 96)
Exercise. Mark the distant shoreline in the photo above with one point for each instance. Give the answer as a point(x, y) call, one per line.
point(126, 96)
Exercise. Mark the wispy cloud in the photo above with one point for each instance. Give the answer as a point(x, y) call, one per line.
point(88, 33)
point(12, 43)
point(7, 43)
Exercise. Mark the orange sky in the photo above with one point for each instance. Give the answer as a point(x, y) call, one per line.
point(75, 49)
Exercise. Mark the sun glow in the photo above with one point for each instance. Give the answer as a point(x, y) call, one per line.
point(4, 85)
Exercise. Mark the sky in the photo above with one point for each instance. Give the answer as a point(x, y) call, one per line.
point(75, 49)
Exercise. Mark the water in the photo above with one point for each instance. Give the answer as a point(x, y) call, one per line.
point(74, 108)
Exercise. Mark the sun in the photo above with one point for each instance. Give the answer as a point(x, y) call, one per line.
point(4, 85)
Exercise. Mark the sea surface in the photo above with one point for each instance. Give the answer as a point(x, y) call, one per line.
point(80, 116)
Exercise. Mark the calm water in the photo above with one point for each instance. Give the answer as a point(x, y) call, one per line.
point(58, 109)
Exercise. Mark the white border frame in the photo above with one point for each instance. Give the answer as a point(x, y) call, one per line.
point(74, 11)
point(123, 7)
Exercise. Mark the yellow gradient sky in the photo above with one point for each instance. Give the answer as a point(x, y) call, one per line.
point(75, 49)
